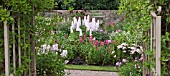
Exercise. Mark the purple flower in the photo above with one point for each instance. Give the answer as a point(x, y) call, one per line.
point(147, 75)
point(124, 60)
point(118, 63)
point(54, 47)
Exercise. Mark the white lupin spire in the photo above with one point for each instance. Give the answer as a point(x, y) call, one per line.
point(90, 32)
point(88, 18)
point(74, 22)
point(71, 27)
point(79, 21)
point(93, 24)
point(78, 24)
point(97, 25)
point(83, 21)
point(81, 34)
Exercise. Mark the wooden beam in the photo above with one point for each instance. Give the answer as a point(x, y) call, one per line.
point(153, 13)
point(158, 45)
point(6, 47)
point(14, 57)
point(19, 48)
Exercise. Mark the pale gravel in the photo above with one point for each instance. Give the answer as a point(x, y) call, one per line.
point(89, 73)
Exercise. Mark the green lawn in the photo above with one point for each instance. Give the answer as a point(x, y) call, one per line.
point(89, 67)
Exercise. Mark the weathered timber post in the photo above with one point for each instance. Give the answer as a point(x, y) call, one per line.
point(6, 47)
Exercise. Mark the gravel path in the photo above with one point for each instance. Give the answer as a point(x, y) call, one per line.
point(89, 73)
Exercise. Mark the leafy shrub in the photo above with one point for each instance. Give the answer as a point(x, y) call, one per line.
point(131, 69)
point(87, 4)
point(50, 64)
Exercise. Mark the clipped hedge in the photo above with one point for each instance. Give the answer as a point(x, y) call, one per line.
point(87, 4)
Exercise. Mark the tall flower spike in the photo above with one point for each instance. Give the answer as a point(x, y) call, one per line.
point(85, 37)
point(81, 34)
point(90, 32)
point(71, 27)
point(102, 43)
point(81, 40)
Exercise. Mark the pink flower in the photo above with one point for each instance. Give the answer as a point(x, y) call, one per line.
point(102, 43)
point(112, 41)
point(91, 38)
point(108, 50)
point(117, 31)
point(96, 43)
point(107, 41)
point(81, 40)
point(85, 37)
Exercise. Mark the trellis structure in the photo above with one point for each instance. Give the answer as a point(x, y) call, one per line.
point(155, 46)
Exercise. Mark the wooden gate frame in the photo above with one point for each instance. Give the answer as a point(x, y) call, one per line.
point(155, 43)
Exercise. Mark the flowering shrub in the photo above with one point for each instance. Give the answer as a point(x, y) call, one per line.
point(131, 69)
point(50, 64)
point(51, 60)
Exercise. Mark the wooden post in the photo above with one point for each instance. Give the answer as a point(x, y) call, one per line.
point(14, 57)
point(33, 44)
point(19, 48)
point(6, 47)
point(158, 45)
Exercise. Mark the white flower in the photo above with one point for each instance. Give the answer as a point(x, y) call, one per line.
point(132, 48)
point(132, 52)
point(66, 61)
point(124, 51)
point(124, 60)
point(141, 48)
point(94, 38)
point(119, 46)
point(113, 52)
point(139, 51)
point(123, 48)
point(56, 53)
point(109, 41)
point(48, 48)
point(118, 63)
point(124, 44)
point(64, 53)
point(80, 34)
point(134, 44)
point(114, 56)
point(44, 48)
point(54, 47)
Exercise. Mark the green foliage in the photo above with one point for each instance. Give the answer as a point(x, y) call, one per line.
point(10, 11)
point(165, 54)
point(131, 69)
point(87, 4)
point(50, 64)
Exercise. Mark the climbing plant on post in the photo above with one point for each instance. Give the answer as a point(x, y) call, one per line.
point(23, 38)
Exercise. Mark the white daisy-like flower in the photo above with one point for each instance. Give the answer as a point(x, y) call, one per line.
point(64, 53)
point(66, 61)
point(119, 46)
point(124, 51)
point(124, 44)
point(114, 56)
point(113, 52)
point(124, 60)
point(54, 47)
point(132, 52)
point(118, 63)
point(139, 51)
